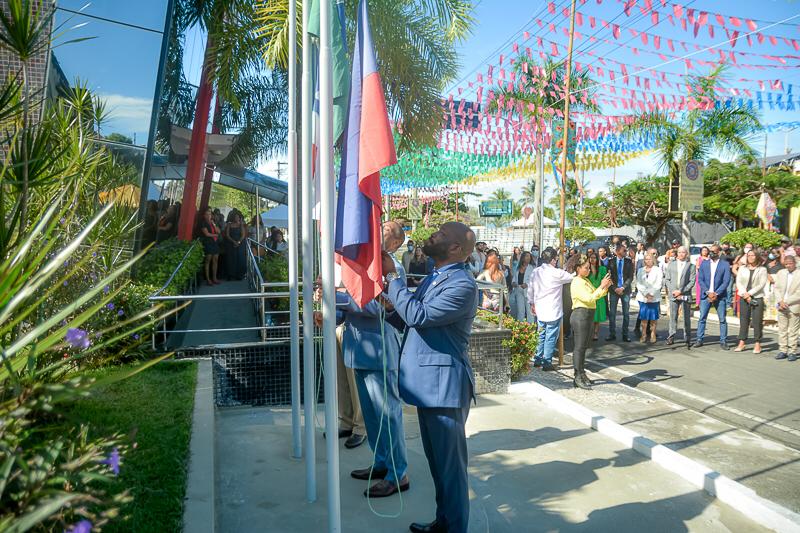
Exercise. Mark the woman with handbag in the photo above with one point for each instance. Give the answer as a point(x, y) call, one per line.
point(751, 284)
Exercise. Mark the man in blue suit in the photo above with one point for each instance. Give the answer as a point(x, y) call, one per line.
point(435, 372)
point(714, 278)
point(373, 353)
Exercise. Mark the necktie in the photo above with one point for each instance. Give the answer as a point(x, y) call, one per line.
point(619, 272)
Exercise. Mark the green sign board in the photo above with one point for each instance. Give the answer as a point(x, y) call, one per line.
point(496, 208)
point(691, 191)
point(414, 208)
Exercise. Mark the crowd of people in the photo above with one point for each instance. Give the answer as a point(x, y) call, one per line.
point(758, 286)
point(223, 238)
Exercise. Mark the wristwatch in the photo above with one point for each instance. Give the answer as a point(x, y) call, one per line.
point(391, 276)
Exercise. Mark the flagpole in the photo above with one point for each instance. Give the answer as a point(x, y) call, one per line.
point(309, 363)
point(294, 331)
point(326, 256)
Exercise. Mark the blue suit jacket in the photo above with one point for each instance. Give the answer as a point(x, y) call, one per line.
point(722, 278)
point(363, 346)
point(434, 365)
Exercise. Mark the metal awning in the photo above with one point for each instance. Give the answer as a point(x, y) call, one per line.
point(241, 179)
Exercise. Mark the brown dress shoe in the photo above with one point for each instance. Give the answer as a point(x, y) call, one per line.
point(384, 488)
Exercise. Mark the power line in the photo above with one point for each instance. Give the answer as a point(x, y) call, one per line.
point(112, 21)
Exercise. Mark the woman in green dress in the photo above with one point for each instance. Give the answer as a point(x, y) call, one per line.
point(596, 274)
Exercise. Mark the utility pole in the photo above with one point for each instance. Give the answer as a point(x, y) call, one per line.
point(563, 199)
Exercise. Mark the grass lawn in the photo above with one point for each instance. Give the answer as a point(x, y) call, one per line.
point(156, 407)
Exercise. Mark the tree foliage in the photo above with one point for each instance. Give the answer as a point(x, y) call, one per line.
point(643, 201)
point(732, 190)
point(415, 43)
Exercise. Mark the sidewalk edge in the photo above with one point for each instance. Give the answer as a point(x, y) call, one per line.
point(199, 514)
point(741, 498)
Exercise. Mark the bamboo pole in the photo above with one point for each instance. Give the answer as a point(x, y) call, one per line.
point(563, 196)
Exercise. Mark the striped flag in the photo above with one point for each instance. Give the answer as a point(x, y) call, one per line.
point(368, 148)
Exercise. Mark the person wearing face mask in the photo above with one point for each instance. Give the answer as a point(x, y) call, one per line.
point(408, 255)
point(534, 256)
point(714, 277)
point(787, 292)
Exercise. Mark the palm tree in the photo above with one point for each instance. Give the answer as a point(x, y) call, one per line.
point(697, 133)
point(500, 194)
point(252, 100)
point(415, 45)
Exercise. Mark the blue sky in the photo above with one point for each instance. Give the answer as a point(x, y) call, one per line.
point(120, 62)
point(496, 26)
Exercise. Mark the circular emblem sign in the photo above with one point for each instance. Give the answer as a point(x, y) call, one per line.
point(692, 170)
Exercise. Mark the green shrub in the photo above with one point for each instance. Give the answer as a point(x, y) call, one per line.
point(577, 235)
point(760, 238)
point(521, 344)
point(275, 268)
point(160, 262)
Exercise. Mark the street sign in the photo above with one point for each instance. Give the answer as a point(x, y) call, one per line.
point(414, 208)
point(691, 189)
point(496, 208)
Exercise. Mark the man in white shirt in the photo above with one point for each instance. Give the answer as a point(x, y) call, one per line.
point(544, 293)
point(679, 279)
point(787, 292)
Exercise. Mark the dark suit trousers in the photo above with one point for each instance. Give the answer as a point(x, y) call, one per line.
point(444, 439)
point(686, 307)
point(749, 314)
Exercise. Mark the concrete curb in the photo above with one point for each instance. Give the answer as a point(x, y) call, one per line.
point(198, 510)
point(741, 498)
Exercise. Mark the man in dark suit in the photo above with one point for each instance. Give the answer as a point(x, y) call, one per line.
point(714, 278)
point(435, 372)
point(620, 268)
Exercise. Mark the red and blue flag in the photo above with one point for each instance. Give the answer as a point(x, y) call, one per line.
point(368, 148)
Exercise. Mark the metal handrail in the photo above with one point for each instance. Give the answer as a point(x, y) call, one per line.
point(174, 272)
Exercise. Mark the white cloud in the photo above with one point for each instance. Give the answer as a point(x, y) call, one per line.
point(127, 113)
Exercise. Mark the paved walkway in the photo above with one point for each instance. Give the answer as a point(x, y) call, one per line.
point(217, 314)
point(530, 469)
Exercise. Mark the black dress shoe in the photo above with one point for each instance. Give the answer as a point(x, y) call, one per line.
point(433, 527)
point(549, 367)
point(688, 345)
point(363, 473)
point(354, 441)
point(384, 488)
point(670, 340)
point(698, 344)
point(537, 364)
point(611, 338)
point(578, 383)
point(724, 346)
point(625, 338)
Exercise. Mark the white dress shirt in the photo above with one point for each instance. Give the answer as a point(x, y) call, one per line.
point(679, 266)
point(544, 291)
point(713, 264)
point(789, 277)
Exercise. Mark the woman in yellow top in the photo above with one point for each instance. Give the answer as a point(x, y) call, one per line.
point(584, 302)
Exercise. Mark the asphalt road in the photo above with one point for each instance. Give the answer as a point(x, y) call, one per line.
point(753, 392)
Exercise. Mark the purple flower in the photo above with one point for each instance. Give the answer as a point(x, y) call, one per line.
point(120, 312)
point(65, 283)
point(98, 335)
point(110, 306)
point(78, 338)
point(112, 461)
point(136, 336)
point(106, 289)
point(84, 526)
point(62, 221)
